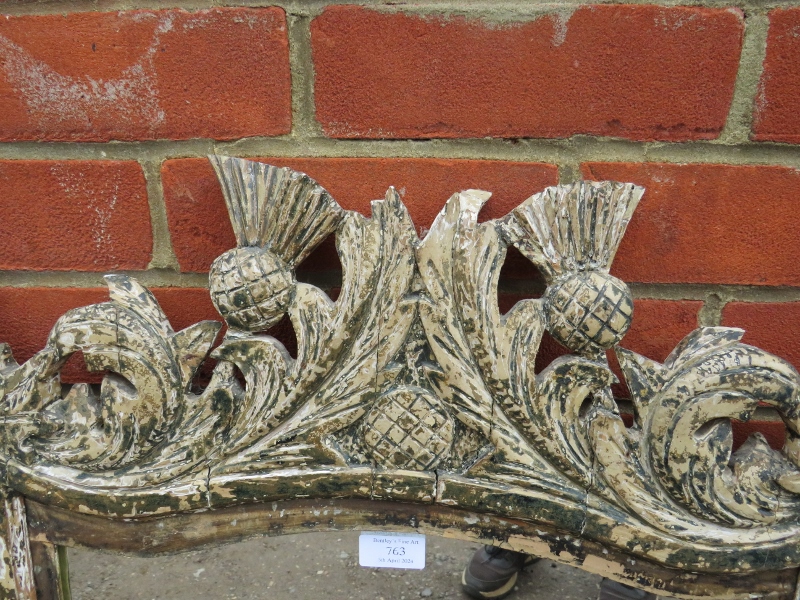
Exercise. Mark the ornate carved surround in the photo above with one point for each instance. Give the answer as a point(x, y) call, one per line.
point(412, 403)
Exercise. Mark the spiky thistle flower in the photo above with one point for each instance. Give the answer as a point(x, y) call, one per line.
point(278, 216)
point(571, 233)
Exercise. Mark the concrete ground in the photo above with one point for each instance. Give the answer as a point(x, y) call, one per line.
point(302, 567)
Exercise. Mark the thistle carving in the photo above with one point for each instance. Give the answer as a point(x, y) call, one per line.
point(413, 374)
point(572, 233)
point(278, 216)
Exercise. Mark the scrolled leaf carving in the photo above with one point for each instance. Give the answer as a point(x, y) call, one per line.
point(487, 359)
point(412, 386)
point(342, 346)
point(150, 370)
point(685, 413)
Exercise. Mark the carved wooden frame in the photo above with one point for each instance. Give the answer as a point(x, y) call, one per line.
point(412, 404)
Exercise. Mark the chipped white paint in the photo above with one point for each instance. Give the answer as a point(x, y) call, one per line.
point(412, 387)
point(19, 548)
point(7, 583)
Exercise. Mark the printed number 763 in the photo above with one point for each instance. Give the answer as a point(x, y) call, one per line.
point(396, 550)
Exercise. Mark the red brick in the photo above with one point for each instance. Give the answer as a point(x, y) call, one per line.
point(82, 215)
point(705, 223)
point(658, 326)
point(774, 431)
point(638, 72)
point(28, 314)
point(186, 306)
point(140, 75)
point(770, 326)
point(777, 108)
point(201, 229)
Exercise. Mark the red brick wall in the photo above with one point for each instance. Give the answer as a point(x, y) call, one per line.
point(106, 118)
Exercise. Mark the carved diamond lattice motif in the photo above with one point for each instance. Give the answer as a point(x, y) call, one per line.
point(589, 310)
point(408, 428)
point(253, 288)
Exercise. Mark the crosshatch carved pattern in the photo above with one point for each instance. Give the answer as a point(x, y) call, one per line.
point(412, 388)
point(408, 429)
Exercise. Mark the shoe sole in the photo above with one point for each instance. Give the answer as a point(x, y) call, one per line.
point(613, 590)
point(495, 594)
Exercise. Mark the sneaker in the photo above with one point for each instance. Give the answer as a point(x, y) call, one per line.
point(493, 571)
point(614, 590)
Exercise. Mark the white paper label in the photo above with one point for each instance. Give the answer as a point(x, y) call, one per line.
point(391, 550)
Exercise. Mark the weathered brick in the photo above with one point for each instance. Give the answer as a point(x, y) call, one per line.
point(81, 215)
point(139, 75)
point(186, 306)
point(777, 108)
point(773, 431)
point(709, 223)
point(639, 72)
point(201, 230)
point(658, 326)
point(772, 326)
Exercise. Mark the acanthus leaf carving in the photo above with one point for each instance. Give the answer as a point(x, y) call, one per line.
point(413, 376)
point(685, 430)
point(459, 262)
point(140, 400)
point(343, 346)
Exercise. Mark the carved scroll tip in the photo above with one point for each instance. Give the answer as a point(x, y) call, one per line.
point(790, 482)
point(473, 200)
point(7, 360)
point(124, 285)
point(702, 341)
point(127, 292)
point(115, 278)
point(192, 345)
point(480, 195)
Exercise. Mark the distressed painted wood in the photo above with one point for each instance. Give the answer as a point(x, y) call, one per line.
point(183, 531)
point(18, 568)
point(412, 403)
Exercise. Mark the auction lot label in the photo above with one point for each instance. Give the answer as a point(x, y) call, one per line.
point(391, 550)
